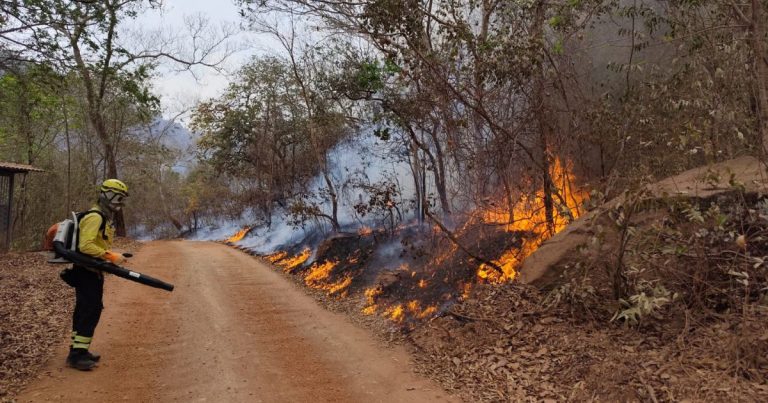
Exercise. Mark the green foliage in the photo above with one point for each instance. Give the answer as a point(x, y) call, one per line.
point(384, 133)
point(643, 304)
point(577, 294)
point(693, 214)
point(558, 48)
point(47, 30)
point(709, 255)
point(555, 21)
point(272, 128)
point(371, 76)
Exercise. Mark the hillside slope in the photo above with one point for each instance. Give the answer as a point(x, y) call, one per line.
point(659, 295)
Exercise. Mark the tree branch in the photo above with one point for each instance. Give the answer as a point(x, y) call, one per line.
point(456, 242)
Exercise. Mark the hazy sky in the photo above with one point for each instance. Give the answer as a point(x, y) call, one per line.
point(180, 90)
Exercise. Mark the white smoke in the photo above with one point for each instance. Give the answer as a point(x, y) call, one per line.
point(363, 158)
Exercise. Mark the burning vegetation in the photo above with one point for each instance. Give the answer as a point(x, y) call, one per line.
point(282, 260)
point(239, 235)
point(421, 271)
point(528, 217)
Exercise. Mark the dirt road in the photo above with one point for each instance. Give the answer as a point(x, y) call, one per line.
point(233, 330)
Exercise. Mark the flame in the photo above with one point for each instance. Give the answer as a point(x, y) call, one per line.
point(414, 308)
point(370, 310)
point(239, 235)
point(431, 310)
point(525, 218)
point(467, 290)
point(291, 263)
point(276, 256)
point(339, 286)
point(364, 231)
point(529, 216)
point(318, 276)
point(319, 272)
point(396, 313)
point(370, 300)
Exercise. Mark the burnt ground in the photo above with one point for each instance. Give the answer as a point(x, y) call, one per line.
point(663, 298)
point(516, 342)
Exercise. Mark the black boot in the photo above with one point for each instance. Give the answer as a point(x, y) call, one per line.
point(95, 357)
point(78, 358)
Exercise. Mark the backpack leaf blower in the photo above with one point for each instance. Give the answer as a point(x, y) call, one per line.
point(64, 235)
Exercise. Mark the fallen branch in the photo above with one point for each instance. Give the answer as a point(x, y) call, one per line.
point(456, 242)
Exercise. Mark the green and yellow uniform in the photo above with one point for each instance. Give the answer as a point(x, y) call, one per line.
point(95, 235)
point(91, 241)
point(89, 290)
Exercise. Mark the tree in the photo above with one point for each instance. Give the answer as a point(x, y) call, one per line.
point(30, 120)
point(465, 93)
point(84, 37)
point(273, 129)
point(755, 21)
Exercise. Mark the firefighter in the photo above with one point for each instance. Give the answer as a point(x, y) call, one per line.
point(96, 232)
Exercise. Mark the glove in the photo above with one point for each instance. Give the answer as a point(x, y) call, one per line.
point(115, 258)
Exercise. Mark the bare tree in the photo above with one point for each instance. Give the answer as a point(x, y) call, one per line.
point(84, 37)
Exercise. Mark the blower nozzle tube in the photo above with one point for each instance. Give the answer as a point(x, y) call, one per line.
point(87, 261)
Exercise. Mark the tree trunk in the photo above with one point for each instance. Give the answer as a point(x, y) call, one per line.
point(111, 165)
point(543, 117)
point(69, 158)
point(95, 92)
point(167, 211)
point(439, 174)
point(761, 72)
point(549, 205)
point(334, 201)
point(25, 130)
point(416, 171)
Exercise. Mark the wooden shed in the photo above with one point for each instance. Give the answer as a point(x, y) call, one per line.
point(7, 172)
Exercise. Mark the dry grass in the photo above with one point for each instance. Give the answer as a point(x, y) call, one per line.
point(35, 310)
point(502, 345)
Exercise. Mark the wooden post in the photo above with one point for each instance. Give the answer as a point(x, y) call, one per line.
point(8, 171)
point(9, 217)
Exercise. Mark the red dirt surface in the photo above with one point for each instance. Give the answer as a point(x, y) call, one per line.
point(233, 330)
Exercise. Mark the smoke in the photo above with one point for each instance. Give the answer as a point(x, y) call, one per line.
point(387, 255)
point(266, 240)
point(355, 164)
point(364, 160)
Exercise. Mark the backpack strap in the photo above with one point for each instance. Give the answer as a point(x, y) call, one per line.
point(103, 225)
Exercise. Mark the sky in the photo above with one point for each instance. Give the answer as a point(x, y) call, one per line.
point(181, 90)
